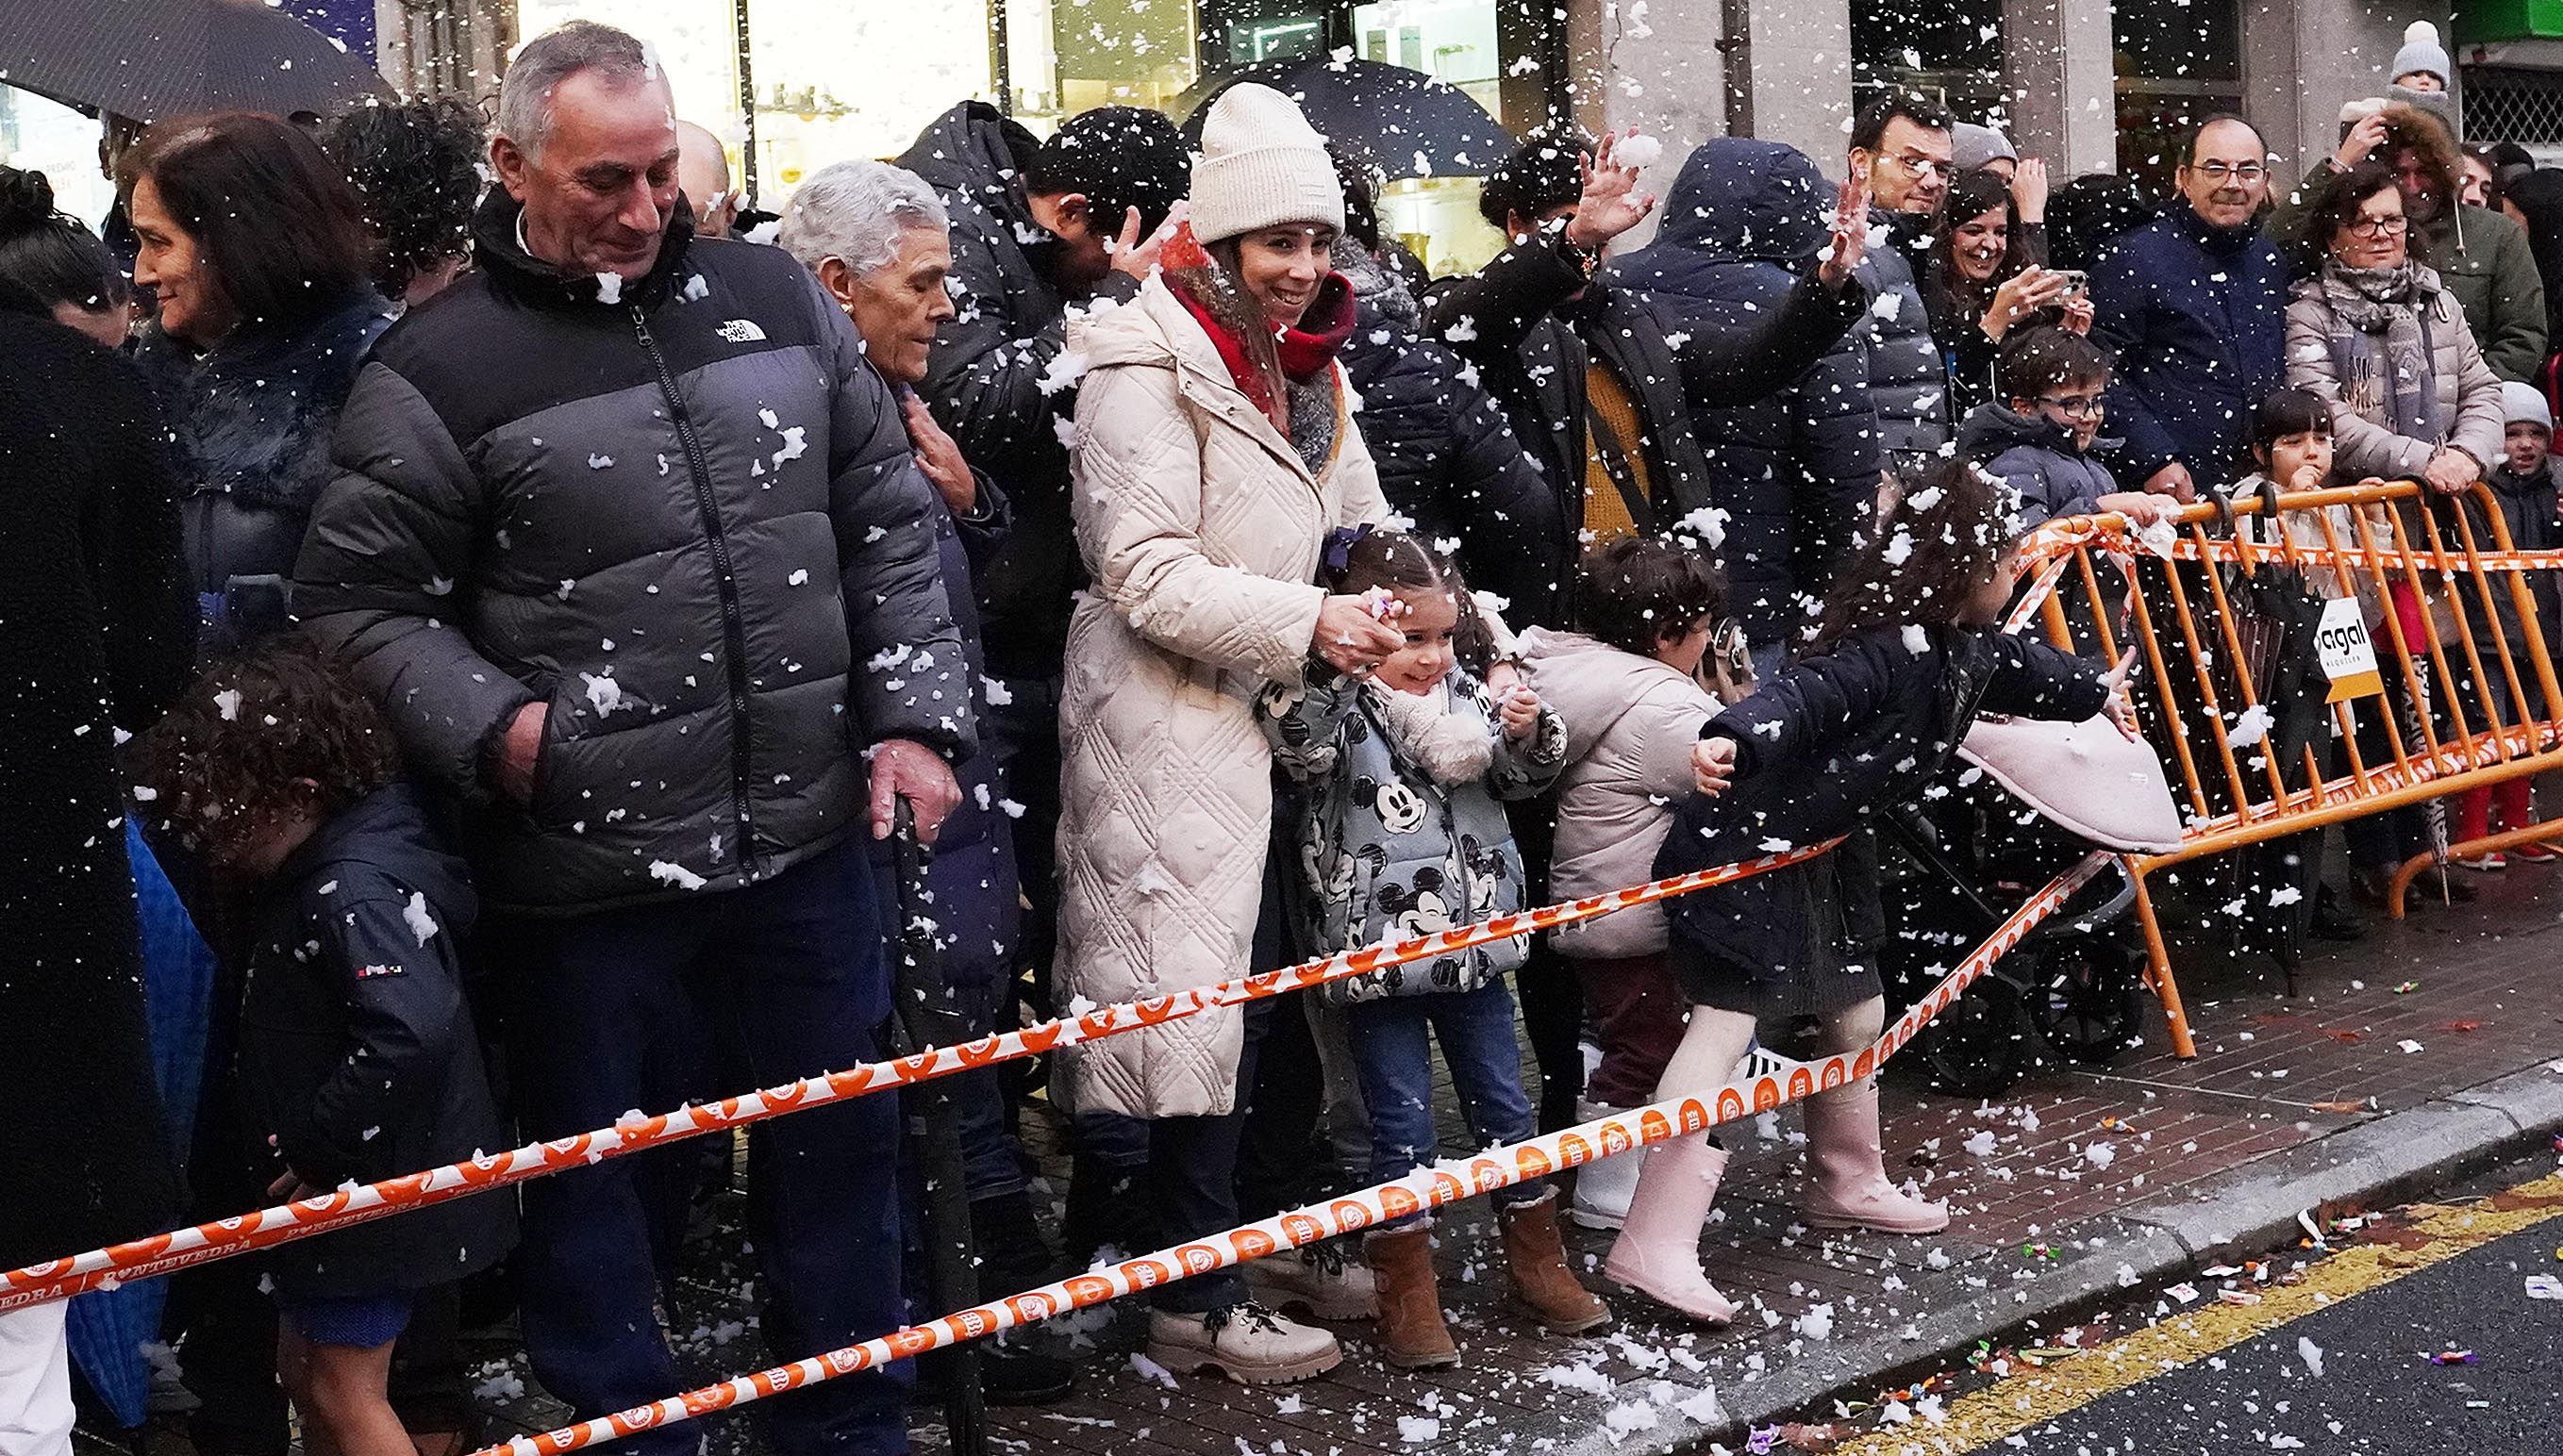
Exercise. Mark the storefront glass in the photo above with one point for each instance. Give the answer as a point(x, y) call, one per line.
point(38, 135)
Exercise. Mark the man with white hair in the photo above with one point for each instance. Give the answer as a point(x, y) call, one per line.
point(874, 236)
point(630, 544)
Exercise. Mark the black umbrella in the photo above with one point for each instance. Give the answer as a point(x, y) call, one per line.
point(1405, 123)
point(156, 59)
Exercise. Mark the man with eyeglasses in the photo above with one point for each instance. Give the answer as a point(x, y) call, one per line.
point(2482, 255)
point(1900, 148)
point(2194, 305)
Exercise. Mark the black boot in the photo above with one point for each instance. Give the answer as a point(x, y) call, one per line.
point(2334, 921)
point(1106, 1206)
point(1013, 1255)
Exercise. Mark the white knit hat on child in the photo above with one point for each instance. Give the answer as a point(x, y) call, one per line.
point(2422, 53)
point(1262, 165)
point(2524, 404)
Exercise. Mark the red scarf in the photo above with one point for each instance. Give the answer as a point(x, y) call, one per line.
point(1308, 349)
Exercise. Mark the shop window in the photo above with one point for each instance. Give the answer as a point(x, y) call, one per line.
point(2176, 61)
point(1948, 50)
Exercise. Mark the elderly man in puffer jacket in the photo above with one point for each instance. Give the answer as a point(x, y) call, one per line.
point(632, 546)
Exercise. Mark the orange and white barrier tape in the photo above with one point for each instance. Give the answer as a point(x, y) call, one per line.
point(1770, 1081)
point(164, 1253)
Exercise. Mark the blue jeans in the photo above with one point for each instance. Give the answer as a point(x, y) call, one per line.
point(798, 967)
point(1395, 1059)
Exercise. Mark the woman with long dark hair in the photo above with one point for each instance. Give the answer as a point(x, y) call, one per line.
point(1214, 450)
point(256, 249)
point(1987, 276)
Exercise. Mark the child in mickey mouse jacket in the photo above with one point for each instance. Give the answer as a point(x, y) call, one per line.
point(1401, 835)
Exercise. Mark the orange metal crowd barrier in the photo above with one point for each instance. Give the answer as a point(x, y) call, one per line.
point(2412, 618)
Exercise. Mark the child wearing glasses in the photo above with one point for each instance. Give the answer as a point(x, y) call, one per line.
point(1655, 658)
point(2041, 435)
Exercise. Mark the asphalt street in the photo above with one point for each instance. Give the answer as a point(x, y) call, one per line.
point(2385, 1359)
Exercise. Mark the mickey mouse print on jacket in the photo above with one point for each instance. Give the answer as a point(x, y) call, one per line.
point(1401, 834)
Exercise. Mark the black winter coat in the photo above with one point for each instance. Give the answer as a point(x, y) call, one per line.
point(1908, 380)
point(689, 521)
point(97, 633)
point(993, 378)
point(357, 1051)
point(1531, 323)
point(1795, 471)
point(250, 425)
point(1825, 746)
point(1446, 460)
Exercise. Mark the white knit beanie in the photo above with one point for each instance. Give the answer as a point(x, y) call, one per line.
point(2524, 404)
point(1262, 165)
point(2421, 51)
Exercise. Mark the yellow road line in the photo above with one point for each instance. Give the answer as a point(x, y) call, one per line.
point(2039, 1395)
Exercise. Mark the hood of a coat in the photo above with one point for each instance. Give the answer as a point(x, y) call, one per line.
point(1989, 430)
point(1589, 684)
point(1377, 290)
point(496, 251)
point(1739, 198)
point(386, 831)
point(979, 152)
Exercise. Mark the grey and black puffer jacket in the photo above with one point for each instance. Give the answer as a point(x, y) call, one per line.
point(1908, 381)
point(682, 512)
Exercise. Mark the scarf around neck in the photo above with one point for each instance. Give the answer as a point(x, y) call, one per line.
point(1307, 352)
point(2380, 345)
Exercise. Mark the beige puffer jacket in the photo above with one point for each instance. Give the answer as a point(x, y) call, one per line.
point(2466, 392)
point(1631, 722)
point(1202, 529)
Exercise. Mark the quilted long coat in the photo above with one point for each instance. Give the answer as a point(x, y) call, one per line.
point(1200, 527)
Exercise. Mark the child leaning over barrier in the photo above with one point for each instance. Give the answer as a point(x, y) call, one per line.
point(1401, 835)
point(2043, 440)
point(358, 1061)
point(1904, 657)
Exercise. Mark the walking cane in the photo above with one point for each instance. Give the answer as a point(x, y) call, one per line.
point(928, 1017)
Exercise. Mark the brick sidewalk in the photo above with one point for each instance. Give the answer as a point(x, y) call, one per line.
point(2479, 1006)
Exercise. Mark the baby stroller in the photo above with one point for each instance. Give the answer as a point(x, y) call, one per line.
point(2033, 799)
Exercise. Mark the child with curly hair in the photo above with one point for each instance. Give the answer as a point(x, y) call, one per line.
point(1904, 657)
point(1401, 835)
point(358, 1061)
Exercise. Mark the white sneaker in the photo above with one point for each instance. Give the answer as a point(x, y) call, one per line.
point(1247, 1342)
point(1319, 1279)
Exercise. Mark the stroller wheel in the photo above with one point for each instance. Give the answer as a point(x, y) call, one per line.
point(1981, 1044)
point(2087, 1000)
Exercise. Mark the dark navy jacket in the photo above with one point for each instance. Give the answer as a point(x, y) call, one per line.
point(1795, 471)
point(358, 1056)
point(2196, 316)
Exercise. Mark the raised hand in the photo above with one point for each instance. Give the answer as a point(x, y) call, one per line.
point(1611, 204)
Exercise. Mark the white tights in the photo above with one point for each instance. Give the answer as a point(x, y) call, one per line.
point(1716, 1040)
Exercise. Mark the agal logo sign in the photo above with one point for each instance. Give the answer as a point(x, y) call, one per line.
point(2348, 655)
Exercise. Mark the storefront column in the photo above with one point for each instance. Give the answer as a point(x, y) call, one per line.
point(1656, 67)
point(2064, 96)
point(1686, 71)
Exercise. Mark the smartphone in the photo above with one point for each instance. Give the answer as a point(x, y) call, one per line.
point(2077, 283)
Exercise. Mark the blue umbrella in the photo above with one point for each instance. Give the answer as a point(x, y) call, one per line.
point(1403, 122)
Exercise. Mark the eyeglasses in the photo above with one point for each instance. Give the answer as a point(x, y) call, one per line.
point(2393, 227)
point(2074, 407)
point(2244, 172)
point(1923, 166)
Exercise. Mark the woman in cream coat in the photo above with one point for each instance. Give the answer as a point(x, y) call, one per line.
point(1214, 450)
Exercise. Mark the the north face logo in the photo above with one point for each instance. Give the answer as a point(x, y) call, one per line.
point(742, 332)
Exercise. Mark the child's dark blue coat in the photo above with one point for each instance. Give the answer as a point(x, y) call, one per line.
point(1825, 745)
point(358, 1054)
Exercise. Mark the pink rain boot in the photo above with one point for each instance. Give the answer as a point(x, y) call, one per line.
point(1849, 1187)
point(1657, 1251)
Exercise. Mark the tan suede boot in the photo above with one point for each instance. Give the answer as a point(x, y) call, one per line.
point(1536, 1256)
point(1412, 1334)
